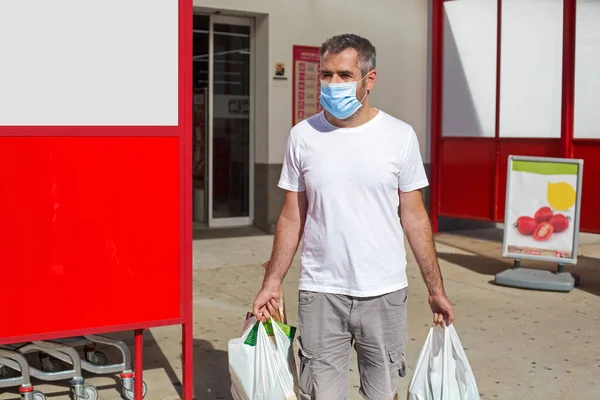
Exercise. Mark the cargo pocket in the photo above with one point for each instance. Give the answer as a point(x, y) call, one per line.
point(397, 361)
point(306, 380)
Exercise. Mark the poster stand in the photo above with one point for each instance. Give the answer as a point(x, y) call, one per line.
point(529, 278)
point(527, 179)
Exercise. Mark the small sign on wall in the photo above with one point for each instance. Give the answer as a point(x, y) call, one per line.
point(279, 72)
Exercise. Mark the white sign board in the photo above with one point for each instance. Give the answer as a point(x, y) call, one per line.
point(543, 200)
point(89, 63)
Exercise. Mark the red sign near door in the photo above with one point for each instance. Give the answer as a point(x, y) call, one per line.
point(307, 83)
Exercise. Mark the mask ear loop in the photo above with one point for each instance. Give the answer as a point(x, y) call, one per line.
point(368, 91)
point(365, 96)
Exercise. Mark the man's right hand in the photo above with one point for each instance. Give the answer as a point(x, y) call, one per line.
point(267, 301)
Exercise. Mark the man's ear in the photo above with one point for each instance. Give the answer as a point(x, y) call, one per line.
point(371, 79)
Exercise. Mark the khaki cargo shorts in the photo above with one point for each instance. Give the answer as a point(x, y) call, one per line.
point(330, 324)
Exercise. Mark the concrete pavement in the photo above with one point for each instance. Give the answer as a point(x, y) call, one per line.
point(521, 344)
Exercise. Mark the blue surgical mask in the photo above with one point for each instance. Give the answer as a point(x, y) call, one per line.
point(339, 99)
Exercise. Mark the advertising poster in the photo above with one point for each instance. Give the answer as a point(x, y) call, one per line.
point(543, 197)
point(307, 83)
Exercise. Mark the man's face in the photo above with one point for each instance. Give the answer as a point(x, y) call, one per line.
point(343, 67)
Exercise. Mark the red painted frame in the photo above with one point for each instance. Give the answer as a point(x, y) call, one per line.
point(186, 52)
point(183, 131)
point(448, 176)
point(437, 76)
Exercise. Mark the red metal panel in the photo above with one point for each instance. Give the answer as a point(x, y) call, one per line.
point(589, 151)
point(90, 233)
point(520, 147)
point(437, 73)
point(53, 131)
point(467, 178)
point(96, 221)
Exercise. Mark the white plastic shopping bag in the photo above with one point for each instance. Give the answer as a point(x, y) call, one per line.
point(443, 371)
point(259, 362)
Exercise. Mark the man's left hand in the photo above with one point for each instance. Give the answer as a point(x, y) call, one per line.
point(443, 314)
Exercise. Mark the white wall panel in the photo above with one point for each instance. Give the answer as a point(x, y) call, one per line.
point(398, 29)
point(587, 70)
point(531, 68)
point(469, 92)
point(82, 62)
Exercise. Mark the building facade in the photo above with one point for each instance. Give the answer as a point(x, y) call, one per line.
point(246, 103)
point(479, 80)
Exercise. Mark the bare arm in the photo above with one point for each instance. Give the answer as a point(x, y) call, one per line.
point(288, 234)
point(420, 237)
point(417, 227)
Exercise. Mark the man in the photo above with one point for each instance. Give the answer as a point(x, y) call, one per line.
point(347, 172)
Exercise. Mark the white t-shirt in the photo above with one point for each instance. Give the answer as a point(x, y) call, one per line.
point(353, 242)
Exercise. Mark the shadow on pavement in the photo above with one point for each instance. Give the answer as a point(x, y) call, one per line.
point(155, 358)
point(492, 234)
point(226, 233)
point(587, 268)
point(211, 366)
point(211, 372)
point(476, 263)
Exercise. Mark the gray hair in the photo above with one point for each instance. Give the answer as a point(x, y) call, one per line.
point(366, 51)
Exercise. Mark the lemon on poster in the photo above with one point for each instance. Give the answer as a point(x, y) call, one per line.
point(561, 196)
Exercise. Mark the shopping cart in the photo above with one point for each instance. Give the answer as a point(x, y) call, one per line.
point(9, 377)
point(90, 354)
point(80, 390)
point(60, 359)
point(123, 368)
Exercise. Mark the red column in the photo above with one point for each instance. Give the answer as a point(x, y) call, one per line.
point(138, 364)
point(437, 71)
point(568, 75)
point(186, 15)
point(497, 127)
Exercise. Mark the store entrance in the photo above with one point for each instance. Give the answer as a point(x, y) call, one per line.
point(223, 129)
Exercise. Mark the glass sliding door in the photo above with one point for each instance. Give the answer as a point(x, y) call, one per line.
point(201, 120)
point(230, 139)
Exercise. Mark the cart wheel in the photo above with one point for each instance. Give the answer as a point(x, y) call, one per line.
point(7, 373)
point(128, 394)
point(100, 358)
point(91, 393)
point(37, 395)
point(57, 365)
point(52, 364)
